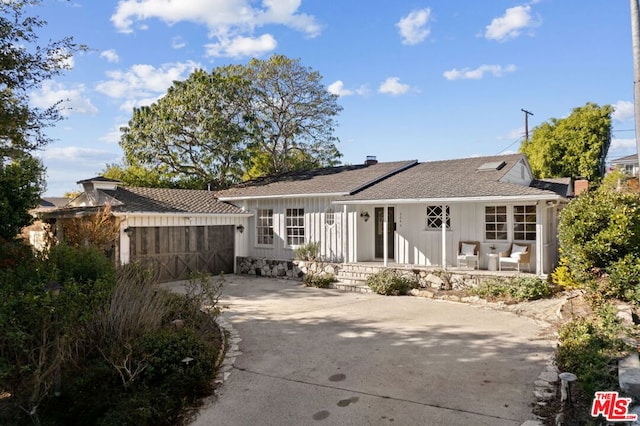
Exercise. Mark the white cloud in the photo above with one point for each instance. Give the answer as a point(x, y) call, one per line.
point(230, 22)
point(143, 84)
point(511, 24)
point(241, 46)
point(72, 99)
point(178, 42)
point(113, 135)
point(413, 27)
point(337, 88)
point(622, 144)
point(110, 55)
point(74, 154)
point(623, 110)
point(478, 73)
point(392, 86)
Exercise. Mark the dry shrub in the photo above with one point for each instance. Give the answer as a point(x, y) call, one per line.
point(100, 229)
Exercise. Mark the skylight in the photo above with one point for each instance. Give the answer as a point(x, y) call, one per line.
point(494, 165)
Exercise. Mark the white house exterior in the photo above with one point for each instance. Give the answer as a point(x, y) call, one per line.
point(628, 164)
point(493, 200)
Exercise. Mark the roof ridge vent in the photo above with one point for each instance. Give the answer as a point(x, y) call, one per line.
point(491, 166)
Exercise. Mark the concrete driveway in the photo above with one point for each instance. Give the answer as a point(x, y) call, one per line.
point(312, 356)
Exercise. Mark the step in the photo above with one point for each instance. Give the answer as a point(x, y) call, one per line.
point(354, 288)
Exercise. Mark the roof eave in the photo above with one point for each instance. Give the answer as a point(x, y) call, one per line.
point(435, 200)
point(266, 197)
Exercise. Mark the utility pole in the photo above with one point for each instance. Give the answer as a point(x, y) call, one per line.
point(635, 43)
point(526, 121)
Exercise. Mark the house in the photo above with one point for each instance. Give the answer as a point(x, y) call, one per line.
point(628, 164)
point(35, 233)
point(406, 212)
point(176, 231)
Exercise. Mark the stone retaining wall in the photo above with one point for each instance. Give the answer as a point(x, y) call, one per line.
point(276, 268)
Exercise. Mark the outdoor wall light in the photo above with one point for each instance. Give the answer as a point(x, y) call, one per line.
point(126, 230)
point(240, 228)
point(365, 216)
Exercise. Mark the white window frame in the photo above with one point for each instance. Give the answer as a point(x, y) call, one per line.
point(498, 227)
point(264, 222)
point(433, 217)
point(329, 217)
point(524, 222)
point(294, 226)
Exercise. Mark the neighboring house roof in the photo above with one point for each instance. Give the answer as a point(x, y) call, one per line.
point(561, 186)
point(327, 181)
point(49, 203)
point(98, 179)
point(633, 158)
point(152, 200)
point(467, 178)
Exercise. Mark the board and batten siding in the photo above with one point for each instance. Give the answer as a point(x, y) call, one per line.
point(316, 228)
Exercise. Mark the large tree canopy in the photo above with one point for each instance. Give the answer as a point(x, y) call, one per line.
point(236, 122)
point(24, 65)
point(197, 131)
point(294, 117)
point(573, 146)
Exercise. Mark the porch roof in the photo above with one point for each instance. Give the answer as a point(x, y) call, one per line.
point(333, 181)
point(452, 180)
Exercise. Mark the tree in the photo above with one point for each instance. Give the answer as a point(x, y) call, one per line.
point(237, 122)
point(24, 65)
point(294, 117)
point(573, 146)
point(21, 183)
point(196, 132)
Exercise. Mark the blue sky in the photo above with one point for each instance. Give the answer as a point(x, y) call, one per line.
point(425, 80)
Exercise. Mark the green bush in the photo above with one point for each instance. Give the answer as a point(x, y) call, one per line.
point(623, 280)
point(588, 348)
point(319, 280)
point(391, 283)
point(515, 290)
point(308, 251)
point(79, 264)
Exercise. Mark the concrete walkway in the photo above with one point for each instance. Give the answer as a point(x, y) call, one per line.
point(312, 356)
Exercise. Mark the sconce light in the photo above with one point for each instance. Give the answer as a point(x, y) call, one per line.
point(365, 216)
point(127, 230)
point(240, 228)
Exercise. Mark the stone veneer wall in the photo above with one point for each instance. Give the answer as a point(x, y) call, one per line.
point(295, 269)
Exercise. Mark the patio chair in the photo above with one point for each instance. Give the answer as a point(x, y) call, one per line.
point(468, 253)
point(517, 254)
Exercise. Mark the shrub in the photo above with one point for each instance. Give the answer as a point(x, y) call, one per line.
point(623, 280)
point(308, 251)
point(319, 280)
point(389, 282)
point(515, 290)
point(588, 348)
point(79, 264)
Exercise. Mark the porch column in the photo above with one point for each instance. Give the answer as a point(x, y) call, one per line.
point(540, 238)
point(125, 254)
point(344, 233)
point(444, 237)
point(385, 236)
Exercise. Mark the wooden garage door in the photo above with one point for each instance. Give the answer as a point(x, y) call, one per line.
point(176, 251)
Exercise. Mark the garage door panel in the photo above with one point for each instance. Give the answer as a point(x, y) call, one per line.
point(175, 252)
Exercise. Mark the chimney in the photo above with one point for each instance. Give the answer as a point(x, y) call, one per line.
point(580, 185)
point(371, 160)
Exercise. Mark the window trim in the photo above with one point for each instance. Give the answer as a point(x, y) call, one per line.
point(496, 231)
point(259, 225)
point(524, 215)
point(300, 226)
point(429, 218)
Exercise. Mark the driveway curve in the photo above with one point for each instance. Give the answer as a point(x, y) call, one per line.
point(313, 356)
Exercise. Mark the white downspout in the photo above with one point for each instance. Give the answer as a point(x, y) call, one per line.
point(444, 237)
point(385, 236)
point(344, 234)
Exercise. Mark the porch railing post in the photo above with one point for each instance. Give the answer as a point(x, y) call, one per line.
point(385, 236)
point(345, 234)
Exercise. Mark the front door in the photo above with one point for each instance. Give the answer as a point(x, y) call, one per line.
point(379, 226)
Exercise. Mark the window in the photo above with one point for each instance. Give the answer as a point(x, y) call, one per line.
point(295, 227)
point(329, 217)
point(264, 226)
point(434, 217)
point(495, 222)
point(524, 223)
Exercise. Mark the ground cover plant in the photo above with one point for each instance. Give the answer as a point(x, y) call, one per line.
point(83, 343)
point(513, 289)
point(391, 283)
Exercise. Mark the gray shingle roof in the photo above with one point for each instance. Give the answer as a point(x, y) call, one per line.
point(331, 180)
point(627, 159)
point(449, 179)
point(560, 186)
point(163, 200)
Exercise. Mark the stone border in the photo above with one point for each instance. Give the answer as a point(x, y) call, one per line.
point(232, 350)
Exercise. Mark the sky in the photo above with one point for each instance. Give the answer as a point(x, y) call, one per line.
point(424, 80)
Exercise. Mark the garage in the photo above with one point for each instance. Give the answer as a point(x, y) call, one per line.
point(174, 252)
